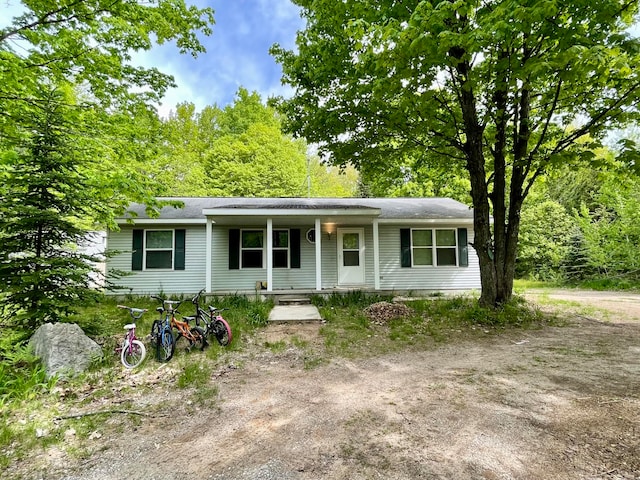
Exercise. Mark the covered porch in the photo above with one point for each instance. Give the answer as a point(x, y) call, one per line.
point(342, 225)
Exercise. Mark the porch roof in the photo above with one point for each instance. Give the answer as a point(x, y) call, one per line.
point(197, 209)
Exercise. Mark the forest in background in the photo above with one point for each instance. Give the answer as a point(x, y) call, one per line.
point(579, 224)
point(80, 139)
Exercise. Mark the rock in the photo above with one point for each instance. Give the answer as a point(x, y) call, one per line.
point(64, 349)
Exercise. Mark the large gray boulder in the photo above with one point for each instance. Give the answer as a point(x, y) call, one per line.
point(64, 348)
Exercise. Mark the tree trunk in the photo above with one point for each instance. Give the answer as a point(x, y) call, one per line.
point(474, 152)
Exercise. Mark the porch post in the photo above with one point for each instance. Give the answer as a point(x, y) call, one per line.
point(318, 254)
point(376, 255)
point(269, 254)
point(207, 255)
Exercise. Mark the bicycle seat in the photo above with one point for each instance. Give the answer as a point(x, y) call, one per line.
point(188, 319)
point(130, 326)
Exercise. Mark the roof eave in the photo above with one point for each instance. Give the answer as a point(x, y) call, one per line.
point(290, 212)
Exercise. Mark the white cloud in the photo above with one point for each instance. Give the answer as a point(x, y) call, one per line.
point(237, 52)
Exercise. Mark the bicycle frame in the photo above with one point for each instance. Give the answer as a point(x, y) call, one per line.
point(214, 323)
point(161, 332)
point(170, 309)
point(132, 351)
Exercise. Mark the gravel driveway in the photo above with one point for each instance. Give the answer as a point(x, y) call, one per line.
point(554, 403)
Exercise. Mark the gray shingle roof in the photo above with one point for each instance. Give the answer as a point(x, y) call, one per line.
point(390, 208)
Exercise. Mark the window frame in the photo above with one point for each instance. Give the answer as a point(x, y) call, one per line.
point(280, 249)
point(243, 249)
point(264, 248)
point(434, 247)
point(146, 249)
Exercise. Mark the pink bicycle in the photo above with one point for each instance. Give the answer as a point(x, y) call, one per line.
point(132, 351)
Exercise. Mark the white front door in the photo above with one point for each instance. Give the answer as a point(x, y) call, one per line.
point(350, 256)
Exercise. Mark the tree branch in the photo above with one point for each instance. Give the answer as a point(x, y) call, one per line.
point(103, 412)
point(43, 20)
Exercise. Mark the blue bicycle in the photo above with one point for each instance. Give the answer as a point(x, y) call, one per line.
point(161, 333)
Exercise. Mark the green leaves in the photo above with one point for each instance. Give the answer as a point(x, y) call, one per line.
point(44, 198)
point(91, 43)
point(507, 88)
point(76, 134)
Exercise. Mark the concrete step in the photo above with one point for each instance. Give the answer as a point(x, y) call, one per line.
point(293, 300)
point(294, 313)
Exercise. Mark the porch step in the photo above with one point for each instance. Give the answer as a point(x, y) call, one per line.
point(293, 300)
point(294, 313)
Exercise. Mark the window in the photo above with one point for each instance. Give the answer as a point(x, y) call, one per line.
point(252, 248)
point(446, 247)
point(158, 249)
point(422, 247)
point(434, 244)
point(281, 249)
point(351, 249)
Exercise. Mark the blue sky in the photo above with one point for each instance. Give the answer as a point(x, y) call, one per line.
point(237, 53)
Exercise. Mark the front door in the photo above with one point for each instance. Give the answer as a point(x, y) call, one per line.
point(351, 256)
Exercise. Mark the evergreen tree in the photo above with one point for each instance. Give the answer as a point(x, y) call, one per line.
point(44, 200)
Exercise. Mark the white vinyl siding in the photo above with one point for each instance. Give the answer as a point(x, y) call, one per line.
point(224, 280)
point(441, 278)
point(244, 280)
point(153, 282)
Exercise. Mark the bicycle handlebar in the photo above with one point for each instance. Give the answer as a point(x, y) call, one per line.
point(195, 299)
point(135, 313)
point(167, 302)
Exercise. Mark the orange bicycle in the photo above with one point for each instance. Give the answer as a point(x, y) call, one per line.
point(196, 336)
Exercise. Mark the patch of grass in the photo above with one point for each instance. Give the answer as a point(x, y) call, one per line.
point(22, 376)
point(610, 283)
point(194, 374)
point(276, 347)
point(522, 284)
point(352, 298)
point(206, 395)
point(312, 361)
point(349, 333)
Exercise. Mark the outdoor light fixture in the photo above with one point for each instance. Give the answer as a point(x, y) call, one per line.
point(330, 228)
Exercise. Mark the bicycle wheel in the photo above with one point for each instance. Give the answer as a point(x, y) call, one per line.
point(133, 355)
point(166, 346)
point(222, 331)
point(200, 337)
point(155, 332)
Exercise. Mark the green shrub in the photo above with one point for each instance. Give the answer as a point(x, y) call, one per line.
point(22, 375)
point(352, 298)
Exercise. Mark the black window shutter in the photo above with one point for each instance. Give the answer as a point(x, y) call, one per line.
point(136, 254)
point(463, 248)
point(178, 263)
point(294, 240)
point(405, 247)
point(234, 249)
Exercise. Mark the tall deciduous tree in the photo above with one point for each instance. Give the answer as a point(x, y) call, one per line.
point(71, 153)
point(238, 150)
point(503, 88)
point(90, 42)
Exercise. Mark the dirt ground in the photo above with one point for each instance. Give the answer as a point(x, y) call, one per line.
point(556, 403)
